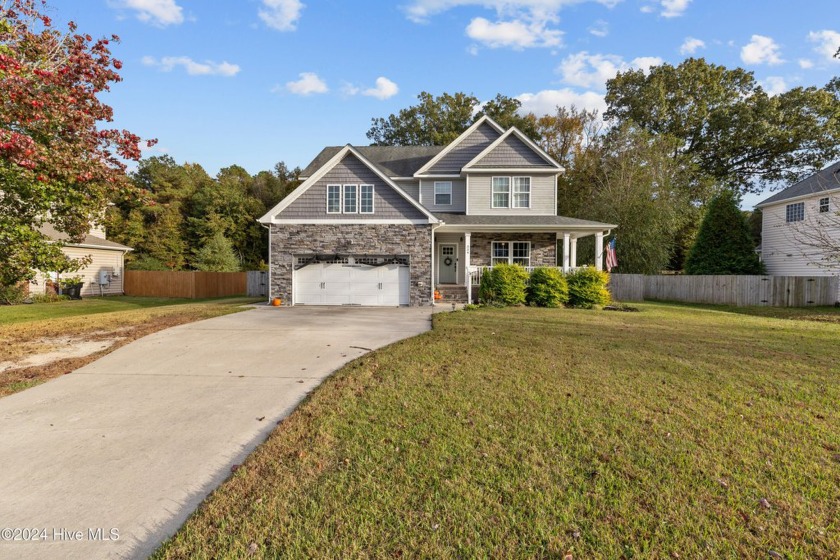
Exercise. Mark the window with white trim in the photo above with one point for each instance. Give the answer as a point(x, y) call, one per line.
point(350, 199)
point(823, 205)
point(510, 252)
point(443, 193)
point(333, 199)
point(521, 192)
point(501, 192)
point(795, 212)
point(366, 199)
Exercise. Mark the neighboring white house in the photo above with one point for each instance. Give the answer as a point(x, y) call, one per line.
point(103, 276)
point(800, 233)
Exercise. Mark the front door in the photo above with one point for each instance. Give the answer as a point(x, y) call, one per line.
point(447, 266)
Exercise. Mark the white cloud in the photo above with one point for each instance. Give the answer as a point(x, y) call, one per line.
point(600, 28)
point(546, 101)
point(674, 8)
point(691, 44)
point(515, 34)
point(827, 42)
point(281, 15)
point(308, 84)
point(774, 85)
point(421, 10)
point(593, 70)
point(384, 89)
point(156, 12)
point(761, 50)
point(805, 63)
point(193, 68)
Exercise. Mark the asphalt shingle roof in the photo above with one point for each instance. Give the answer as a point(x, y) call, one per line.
point(826, 180)
point(394, 161)
point(89, 240)
point(502, 220)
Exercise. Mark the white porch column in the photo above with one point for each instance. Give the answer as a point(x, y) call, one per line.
point(467, 269)
point(599, 250)
point(566, 251)
point(573, 262)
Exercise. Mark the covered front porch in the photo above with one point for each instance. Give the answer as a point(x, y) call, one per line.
point(464, 247)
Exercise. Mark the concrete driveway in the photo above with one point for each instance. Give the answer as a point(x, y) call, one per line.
point(129, 445)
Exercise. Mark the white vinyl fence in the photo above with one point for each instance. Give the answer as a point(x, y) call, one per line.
point(776, 291)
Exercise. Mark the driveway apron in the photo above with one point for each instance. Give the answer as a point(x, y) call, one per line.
point(110, 460)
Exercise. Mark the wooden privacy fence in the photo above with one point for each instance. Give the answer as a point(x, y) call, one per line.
point(257, 283)
point(776, 291)
point(192, 285)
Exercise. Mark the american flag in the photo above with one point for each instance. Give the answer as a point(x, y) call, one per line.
point(612, 260)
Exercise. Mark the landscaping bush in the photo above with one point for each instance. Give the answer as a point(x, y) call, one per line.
point(504, 284)
point(547, 288)
point(48, 298)
point(588, 287)
point(12, 295)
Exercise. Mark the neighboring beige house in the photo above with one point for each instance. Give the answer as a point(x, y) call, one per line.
point(801, 227)
point(102, 277)
point(391, 225)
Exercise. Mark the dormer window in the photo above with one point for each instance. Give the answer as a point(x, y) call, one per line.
point(511, 192)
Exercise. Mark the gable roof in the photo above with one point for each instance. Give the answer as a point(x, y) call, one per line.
point(332, 162)
point(88, 242)
point(826, 180)
point(481, 122)
point(505, 139)
point(395, 161)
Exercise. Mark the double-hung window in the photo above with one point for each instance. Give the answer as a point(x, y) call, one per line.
point(501, 192)
point(351, 200)
point(366, 199)
point(795, 212)
point(333, 199)
point(823, 205)
point(443, 193)
point(511, 252)
point(511, 192)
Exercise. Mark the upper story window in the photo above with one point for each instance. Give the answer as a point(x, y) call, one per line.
point(349, 199)
point(795, 212)
point(443, 193)
point(823, 205)
point(366, 199)
point(511, 192)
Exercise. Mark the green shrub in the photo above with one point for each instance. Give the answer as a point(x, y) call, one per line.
point(12, 295)
point(588, 287)
point(48, 298)
point(547, 288)
point(503, 284)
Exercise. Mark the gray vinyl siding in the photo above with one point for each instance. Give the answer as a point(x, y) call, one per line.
point(459, 195)
point(465, 151)
point(387, 203)
point(543, 189)
point(512, 152)
point(410, 187)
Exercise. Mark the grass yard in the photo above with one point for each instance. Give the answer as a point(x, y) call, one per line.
point(70, 334)
point(677, 432)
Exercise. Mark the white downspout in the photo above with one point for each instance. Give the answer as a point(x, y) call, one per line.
point(268, 227)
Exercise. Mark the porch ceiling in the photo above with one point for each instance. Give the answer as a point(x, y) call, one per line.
point(485, 223)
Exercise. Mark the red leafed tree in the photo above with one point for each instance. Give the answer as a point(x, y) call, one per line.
point(58, 163)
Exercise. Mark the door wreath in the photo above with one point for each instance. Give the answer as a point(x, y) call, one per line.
point(447, 261)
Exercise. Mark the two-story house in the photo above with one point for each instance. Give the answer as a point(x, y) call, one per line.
point(390, 225)
point(800, 230)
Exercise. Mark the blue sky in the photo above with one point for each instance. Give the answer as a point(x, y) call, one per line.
point(254, 82)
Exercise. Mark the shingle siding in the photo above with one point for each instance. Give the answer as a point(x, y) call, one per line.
point(543, 189)
point(388, 203)
point(465, 151)
point(512, 152)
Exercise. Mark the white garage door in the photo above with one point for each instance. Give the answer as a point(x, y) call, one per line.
point(351, 284)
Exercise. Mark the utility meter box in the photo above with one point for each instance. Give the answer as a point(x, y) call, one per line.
point(104, 277)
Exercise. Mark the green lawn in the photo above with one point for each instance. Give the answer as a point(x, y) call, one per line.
point(676, 432)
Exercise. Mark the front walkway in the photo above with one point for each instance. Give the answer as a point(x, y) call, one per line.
point(136, 440)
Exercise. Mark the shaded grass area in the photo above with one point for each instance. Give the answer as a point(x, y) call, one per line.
point(676, 432)
point(824, 314)
point(33, 329)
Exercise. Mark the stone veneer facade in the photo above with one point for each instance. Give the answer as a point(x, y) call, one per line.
point(543, 247)
point(290, 240)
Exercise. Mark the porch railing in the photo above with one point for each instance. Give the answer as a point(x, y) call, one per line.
point(477, 271)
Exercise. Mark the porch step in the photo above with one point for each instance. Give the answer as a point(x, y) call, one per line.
point(452, 294)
